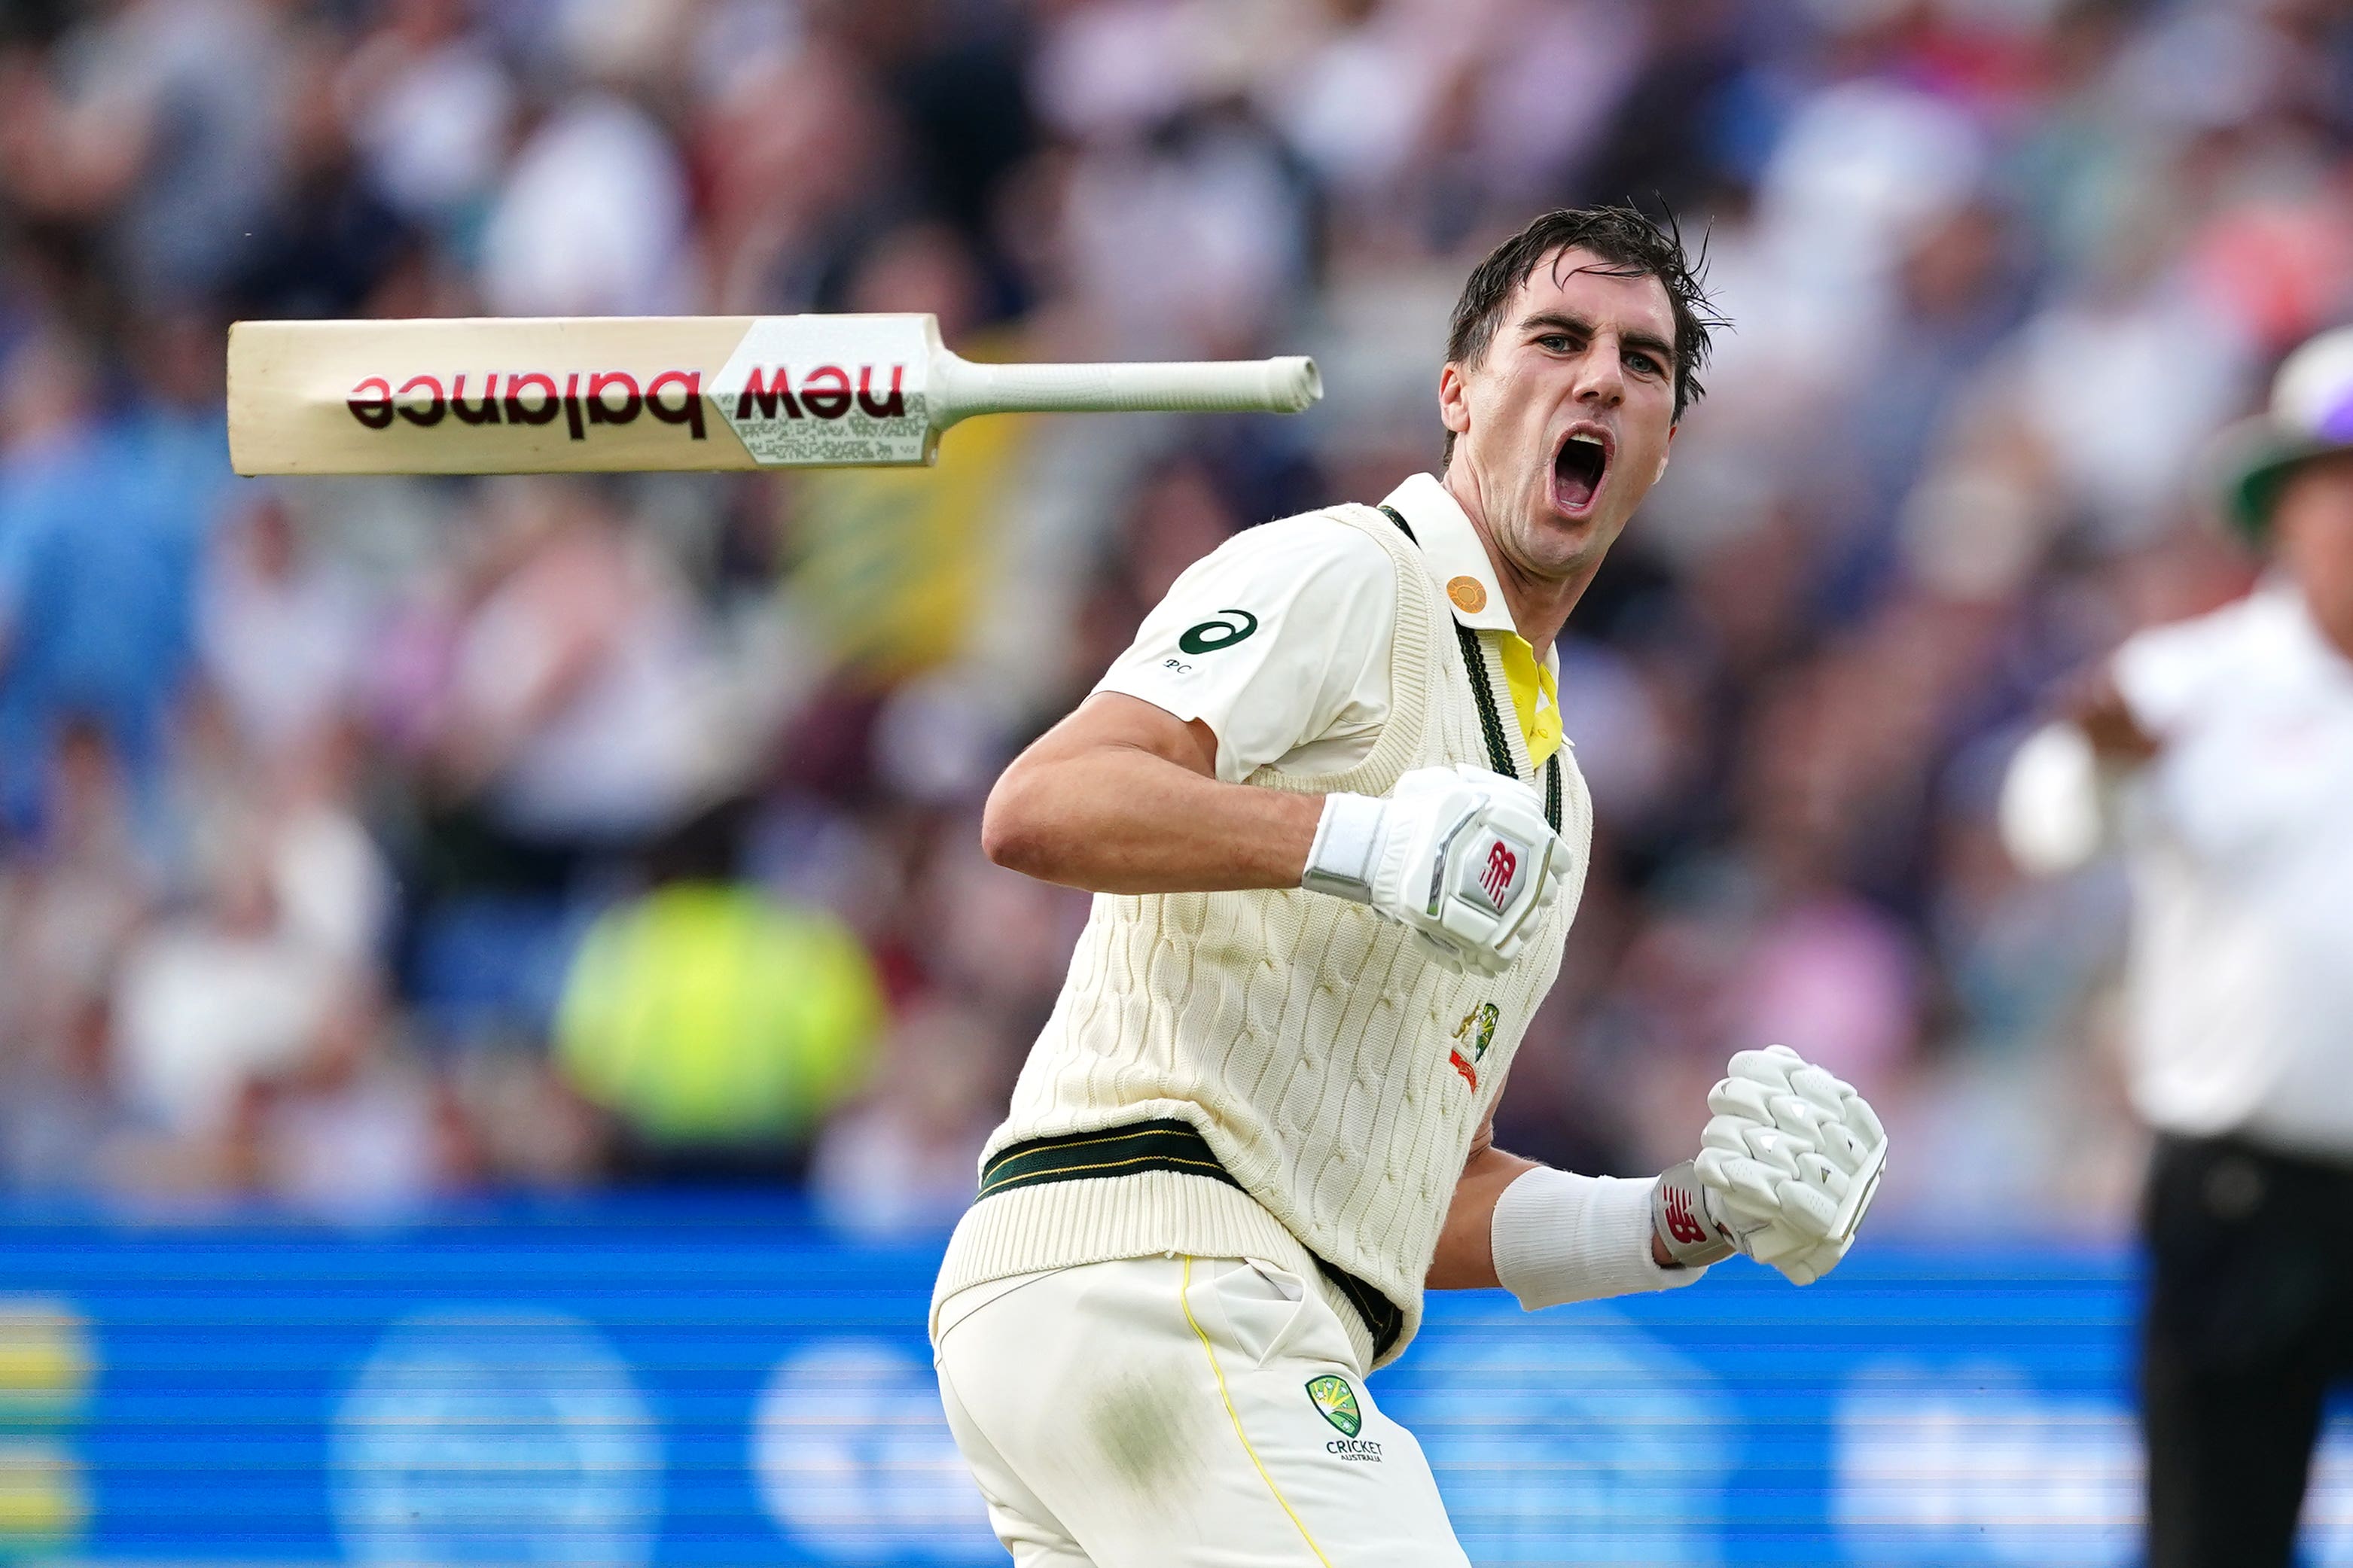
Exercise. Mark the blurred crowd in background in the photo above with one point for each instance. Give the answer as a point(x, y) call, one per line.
point(367, 842)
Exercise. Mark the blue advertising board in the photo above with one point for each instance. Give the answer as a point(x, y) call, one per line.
point(705, 1382)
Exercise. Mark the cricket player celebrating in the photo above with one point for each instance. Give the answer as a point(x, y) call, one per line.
point(1336, 843)
point(2218, 753)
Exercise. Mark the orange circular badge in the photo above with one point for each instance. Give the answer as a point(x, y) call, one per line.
point(1468, 595)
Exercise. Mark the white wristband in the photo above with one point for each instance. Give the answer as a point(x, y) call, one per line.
point(1347, 837)
point(1559, 1238)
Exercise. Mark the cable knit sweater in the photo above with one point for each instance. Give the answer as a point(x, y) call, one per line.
point(1338, 1074)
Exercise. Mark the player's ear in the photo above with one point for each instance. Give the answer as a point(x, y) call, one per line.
point(1664, 453)
point(1453, 399)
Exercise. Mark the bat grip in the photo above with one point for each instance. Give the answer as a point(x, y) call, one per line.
point(1266, 386)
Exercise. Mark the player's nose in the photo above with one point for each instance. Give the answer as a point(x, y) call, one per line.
point(1601, 376)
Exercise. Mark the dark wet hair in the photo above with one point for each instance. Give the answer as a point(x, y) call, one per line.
point(1628, 245)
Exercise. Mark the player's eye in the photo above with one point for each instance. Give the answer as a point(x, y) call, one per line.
point(1644, 364)
point(1555, 343)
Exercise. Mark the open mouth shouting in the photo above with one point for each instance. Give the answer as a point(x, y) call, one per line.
point(1578, 466)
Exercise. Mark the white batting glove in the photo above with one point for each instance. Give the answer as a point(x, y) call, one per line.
point(1461, 856)
point(1787, 1169)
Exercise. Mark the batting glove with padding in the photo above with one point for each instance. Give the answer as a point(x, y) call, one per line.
point(1461, 856)
point(1787, 1169)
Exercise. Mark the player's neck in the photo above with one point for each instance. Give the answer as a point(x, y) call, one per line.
point(1539, 605)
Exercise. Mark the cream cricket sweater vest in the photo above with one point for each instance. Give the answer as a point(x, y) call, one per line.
point(1337, 1074)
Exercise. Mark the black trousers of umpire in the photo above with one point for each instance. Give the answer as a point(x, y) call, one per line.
point(2250, 1320)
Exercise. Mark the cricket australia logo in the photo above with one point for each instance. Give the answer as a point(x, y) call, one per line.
point(1473, 1035)
point(1337, 1403)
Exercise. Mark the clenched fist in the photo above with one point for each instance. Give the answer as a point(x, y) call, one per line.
point(1787, 1169)
point(1461, 856)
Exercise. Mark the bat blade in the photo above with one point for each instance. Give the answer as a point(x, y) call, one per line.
point(509, 396)
point(479, 396)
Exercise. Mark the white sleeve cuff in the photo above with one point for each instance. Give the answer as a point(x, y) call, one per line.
point(1560, 1237)
point(1346, 850)
point(2059, 804)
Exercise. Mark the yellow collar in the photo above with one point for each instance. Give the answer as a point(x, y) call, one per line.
point(1536, 698)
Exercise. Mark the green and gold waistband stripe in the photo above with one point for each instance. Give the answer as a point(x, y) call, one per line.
point(1167, 1144)
point(1163, 1145)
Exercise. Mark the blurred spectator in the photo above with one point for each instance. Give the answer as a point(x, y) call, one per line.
point(99, 539)
point(592, 219)
point(248, 979)
point(904, 1153)
point(155, 126)
point(66, 914)
point(575, 713)
point(310, 791)
point(716, 1024)
point(329, 240)
point(284, 630)
point(431, 109)
point(350, 1130)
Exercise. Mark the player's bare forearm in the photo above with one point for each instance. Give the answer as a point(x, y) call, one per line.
point(1124, 798)
point(1466, 1249)
point(2096, 705)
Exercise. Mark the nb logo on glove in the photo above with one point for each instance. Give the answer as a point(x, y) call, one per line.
point(1461, 856)
point(1682, 1224)
point(1495, 879)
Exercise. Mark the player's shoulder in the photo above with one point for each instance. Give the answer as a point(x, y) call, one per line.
point(1327, 538)
point(2242, 628)
point(2166, 669)
point(1317, 562)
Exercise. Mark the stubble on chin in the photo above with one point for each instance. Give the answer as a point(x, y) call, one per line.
point(1555, 549)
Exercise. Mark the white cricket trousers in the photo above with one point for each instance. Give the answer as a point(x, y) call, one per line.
point(1180, 1412)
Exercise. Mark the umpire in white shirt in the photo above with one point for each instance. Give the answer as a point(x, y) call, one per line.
point(2218, 752)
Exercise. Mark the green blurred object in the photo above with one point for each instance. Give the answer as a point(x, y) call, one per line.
point(709, 1013)
point(2310, 415)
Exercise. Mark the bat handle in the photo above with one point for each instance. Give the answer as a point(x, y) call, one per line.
point(1264, 385)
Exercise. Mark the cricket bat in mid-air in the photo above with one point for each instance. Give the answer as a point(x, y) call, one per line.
point(516, 395)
